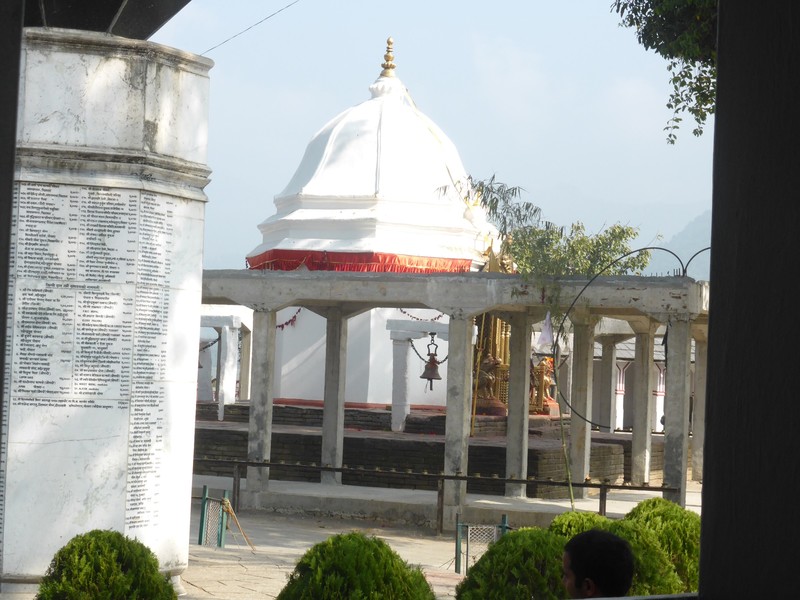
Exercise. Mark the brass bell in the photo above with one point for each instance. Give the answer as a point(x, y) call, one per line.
point(431, 371)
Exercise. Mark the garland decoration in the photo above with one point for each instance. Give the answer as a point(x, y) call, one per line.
point(410, 316)
point(290, 322)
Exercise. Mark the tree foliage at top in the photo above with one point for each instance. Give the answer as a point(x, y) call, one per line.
point(685, 33)
point(542, 249)
point(550, 250)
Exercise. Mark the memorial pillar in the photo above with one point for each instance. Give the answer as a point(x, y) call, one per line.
point(104, 289)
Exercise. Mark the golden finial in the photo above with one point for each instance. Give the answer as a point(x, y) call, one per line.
point(388, 65)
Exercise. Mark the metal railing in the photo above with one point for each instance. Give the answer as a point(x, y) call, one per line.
point(473, 540)
point(213, 520)
point(604, 487)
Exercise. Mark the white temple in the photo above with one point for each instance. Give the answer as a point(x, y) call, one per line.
point(380, 188)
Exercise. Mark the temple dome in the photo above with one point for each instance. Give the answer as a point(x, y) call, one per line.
point(380, 188)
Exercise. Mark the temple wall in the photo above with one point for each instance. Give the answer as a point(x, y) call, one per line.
point(104, 297)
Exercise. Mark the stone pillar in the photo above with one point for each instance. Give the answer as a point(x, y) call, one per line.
point(699, 406)
point(619, 398)
point(606, 413)
point(259, 436)
point(245, 364)
point(642, 442)
point(457, 420)
point(104, 287)
point(227, 366)
point(400, 404)
point(629, 397)
point(519, 377)
point(676, 408)
point(580, 437)
point(333, 401)
point(564, 384)
point(205, 392)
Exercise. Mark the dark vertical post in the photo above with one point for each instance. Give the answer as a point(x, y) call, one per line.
point(601, 510)
point(201, 536)
point(237, 484)
point(458, 544)
point(11, 14)
point(440, 505)
point(752, 412)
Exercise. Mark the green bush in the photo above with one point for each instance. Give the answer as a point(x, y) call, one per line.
point(104, 565)
point(653, 571)
point(523, 564)
point(678, 532)
point(571, 523)
point(354, 566)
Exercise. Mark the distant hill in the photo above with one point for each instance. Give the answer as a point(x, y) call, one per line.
point(694, 237)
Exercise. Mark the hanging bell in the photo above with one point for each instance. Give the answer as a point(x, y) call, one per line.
point(431, 371)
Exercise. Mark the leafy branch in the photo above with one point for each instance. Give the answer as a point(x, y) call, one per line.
point(683, 32)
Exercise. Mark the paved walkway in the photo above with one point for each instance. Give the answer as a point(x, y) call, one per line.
point(237, 572)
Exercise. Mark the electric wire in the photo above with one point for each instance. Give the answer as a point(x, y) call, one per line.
point(559, 333)
point(251, 27)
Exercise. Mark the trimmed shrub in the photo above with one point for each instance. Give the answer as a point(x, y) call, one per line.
point(523, 564)
point(571, 523)
point(355, 566)
point(678, 532)
point(653, 571)
point(104, 565)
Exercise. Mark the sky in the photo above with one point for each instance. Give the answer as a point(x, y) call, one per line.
point(553, 97)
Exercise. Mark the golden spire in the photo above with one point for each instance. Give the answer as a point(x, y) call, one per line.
point(388, 65)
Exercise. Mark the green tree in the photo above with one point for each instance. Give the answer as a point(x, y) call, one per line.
point(549, 250)
point(542, 249)
point(684, 32)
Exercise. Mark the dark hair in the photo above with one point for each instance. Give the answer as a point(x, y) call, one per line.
point(604, 558)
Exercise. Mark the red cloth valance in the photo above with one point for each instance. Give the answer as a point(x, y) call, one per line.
point(289, 260)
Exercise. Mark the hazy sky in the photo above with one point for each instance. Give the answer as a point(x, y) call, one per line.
point(553, 97)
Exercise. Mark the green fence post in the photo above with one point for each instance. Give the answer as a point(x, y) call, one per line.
point(503, 525)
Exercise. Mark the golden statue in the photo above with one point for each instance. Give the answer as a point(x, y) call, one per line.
point(541, 382)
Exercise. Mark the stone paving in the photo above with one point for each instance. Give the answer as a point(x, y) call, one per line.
point(238, 572)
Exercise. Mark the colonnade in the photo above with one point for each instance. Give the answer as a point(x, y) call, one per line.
point(679, 303)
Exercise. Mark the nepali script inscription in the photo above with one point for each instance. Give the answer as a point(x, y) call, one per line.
point(89, 305)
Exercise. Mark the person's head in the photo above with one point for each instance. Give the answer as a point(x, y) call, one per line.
point(597, 564)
